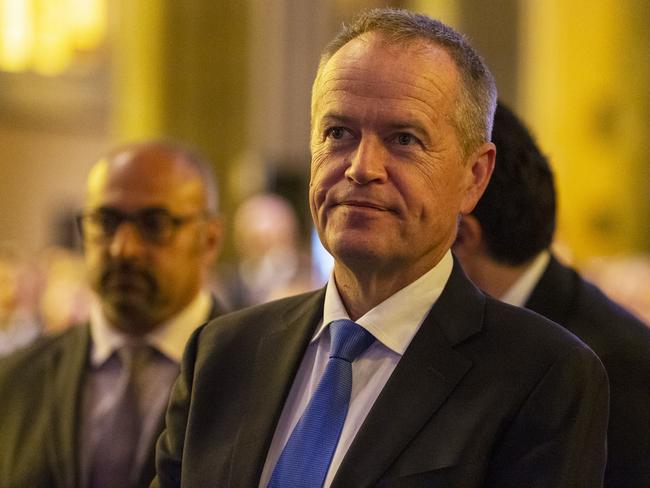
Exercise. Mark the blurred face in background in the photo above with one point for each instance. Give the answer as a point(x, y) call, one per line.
point(148, 239)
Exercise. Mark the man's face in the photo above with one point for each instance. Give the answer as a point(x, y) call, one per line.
point(141, 282)
point(388, 177)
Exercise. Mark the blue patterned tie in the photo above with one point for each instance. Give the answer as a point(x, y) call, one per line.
point(305, 460)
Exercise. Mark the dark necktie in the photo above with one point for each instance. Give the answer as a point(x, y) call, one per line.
point(306, 457)
point(114, 458)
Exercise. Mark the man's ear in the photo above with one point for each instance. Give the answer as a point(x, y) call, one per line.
point(469, 241)
point(213, 239)
point(480, 166)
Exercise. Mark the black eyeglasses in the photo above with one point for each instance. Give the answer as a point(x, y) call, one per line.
point(154, 224)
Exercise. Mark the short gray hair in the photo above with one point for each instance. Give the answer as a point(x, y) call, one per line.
point(474, 113)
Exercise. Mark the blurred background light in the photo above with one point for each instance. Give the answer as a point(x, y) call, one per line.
point(46, 36)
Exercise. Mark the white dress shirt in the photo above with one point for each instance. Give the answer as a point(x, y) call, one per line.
point(393, 323)
point(101, 384)
point(521, 289)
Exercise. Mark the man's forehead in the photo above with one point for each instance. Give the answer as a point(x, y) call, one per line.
point(418, 80)
point(128, 180)
point(372, 61)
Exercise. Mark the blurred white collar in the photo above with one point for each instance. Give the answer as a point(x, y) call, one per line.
point(168, 338)
point(519, 292)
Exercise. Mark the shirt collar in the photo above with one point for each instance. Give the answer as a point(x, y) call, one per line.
point(521, 289)
point(394, 321)
point(169, 338)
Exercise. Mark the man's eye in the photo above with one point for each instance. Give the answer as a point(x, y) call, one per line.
point(336, 132)
point(405, 139)
point(107, 220)
point(154, 222)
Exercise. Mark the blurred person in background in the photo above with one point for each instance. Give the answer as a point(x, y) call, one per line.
point(504, 247)
point(66, 298)
point(623, 278)
point(20, 284)
point(84, 407)
point(270, 263)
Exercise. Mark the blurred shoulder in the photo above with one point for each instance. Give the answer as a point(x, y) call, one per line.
point(531, 334)
point(39, 355)
point(263, 318)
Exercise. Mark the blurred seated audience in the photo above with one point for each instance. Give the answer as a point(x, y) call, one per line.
point(20, 323)
point(270, 261)
point(66, 298)
point(624, 278)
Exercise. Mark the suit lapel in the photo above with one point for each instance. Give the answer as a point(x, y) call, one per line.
point(423, 379)
point(69, 363)
point(148, 471)
point(278, 357)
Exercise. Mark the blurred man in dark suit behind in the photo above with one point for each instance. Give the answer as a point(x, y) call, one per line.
point(504, 247)
point(84, 408)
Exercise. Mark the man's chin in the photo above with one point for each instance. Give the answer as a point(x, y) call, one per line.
point(356, 255)
point(130, 316)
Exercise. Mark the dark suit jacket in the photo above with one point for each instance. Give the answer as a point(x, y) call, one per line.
point(623, 344)
point(40, 410)
point(486, 395)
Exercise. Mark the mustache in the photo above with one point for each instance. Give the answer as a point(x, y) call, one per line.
point(122, 269)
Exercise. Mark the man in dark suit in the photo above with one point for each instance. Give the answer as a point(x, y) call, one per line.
point(150, 233)
point(504, 247)
point(435, 384)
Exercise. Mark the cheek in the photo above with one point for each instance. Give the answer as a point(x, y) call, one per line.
point(323, 176)
point(188, 252)
point(432, 197)
point(95, 257)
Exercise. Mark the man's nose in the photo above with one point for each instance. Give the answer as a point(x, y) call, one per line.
point(127, 241)
point(368, 162)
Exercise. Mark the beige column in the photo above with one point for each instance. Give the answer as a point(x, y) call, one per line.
point(584, 83)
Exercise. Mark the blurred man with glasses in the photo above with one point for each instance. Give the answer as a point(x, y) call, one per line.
point(84, 408)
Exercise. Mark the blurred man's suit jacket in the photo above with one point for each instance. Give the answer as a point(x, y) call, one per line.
point(41, 389)
point(623, 344)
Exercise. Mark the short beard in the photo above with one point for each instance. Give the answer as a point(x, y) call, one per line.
point(130, 296)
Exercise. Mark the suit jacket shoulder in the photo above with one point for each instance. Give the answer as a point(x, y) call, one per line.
point(565, 297)
point(39, 410)
point(623, 344)
point(238, 366)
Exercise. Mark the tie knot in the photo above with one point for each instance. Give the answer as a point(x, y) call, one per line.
point(349, 339)
point(134, 357)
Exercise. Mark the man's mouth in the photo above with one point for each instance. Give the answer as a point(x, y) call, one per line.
point(364, 204)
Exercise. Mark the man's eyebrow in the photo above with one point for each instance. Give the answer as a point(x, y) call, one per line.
point(336, 117)
point(406, 126)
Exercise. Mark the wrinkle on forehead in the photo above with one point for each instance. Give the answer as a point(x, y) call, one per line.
point(416, 71)
point(359, 52)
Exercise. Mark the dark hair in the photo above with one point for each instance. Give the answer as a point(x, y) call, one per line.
point(517, 210)
point(475, 108)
